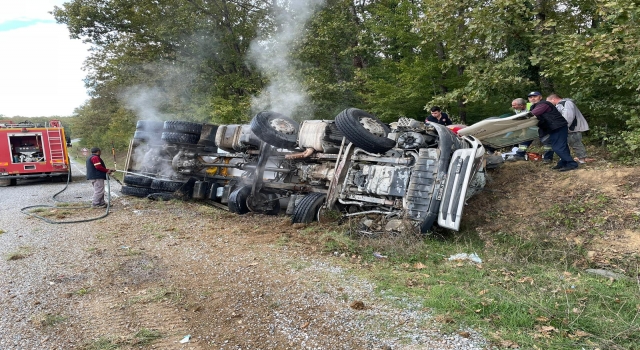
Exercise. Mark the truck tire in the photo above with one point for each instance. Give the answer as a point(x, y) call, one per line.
point(137, 180)
point(165, 185)
point(266, 203)
point(275, 129)
point(307, 209)
point(183, 127)
point(8, 182)
point(152, 126)
point(135, 191)
point(147, 137)
point(238, 200)
point(180, 138)
point(364, 130)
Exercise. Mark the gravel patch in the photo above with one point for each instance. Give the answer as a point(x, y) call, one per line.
point(187, 269)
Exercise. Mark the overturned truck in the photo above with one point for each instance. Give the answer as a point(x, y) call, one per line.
point(383, 176)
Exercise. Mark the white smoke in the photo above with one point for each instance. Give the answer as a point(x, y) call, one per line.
point(145, 102)
point(271, 52)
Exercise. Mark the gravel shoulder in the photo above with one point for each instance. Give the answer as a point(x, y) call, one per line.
point(177, 269)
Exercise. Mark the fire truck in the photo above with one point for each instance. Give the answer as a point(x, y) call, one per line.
point(29, 150)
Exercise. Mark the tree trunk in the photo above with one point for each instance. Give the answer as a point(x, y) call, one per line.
point(462, 108)
point(358, 61)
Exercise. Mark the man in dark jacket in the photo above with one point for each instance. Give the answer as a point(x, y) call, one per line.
point(437, 116)
point(552, 123)
point(97, 173)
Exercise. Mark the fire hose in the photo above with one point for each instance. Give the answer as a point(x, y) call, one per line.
point(24, 210)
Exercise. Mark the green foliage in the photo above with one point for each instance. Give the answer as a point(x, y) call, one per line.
point(146, 336)
point(623, 145)
point(190, 60)
point(102, 343)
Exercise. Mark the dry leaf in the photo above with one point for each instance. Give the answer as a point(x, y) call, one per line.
point(509, 344)
point(305, 325)
point(483, 292)
point(444, 319)
point(410, 282)
point(580, 333)
point(526, 280)
point(542, 319)
point(419, 266)
point(547, 328)
point(357, 305)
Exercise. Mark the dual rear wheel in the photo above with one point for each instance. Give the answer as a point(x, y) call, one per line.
point(306, 211)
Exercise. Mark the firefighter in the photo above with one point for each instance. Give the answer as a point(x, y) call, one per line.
point(97, 173)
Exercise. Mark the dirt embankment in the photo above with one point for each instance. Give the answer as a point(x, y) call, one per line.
point(595, 208)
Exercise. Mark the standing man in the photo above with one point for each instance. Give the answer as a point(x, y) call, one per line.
point(519, 105)
point(552, 123)
point(438, 117)
point(577, 124)
point(97, 173)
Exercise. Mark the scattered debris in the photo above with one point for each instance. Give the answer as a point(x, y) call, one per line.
point(513, 152)
point(379, 256)
point(357, 305)
point(607, 274)
point(464, 256)
point(186, 339)
point(464, 334)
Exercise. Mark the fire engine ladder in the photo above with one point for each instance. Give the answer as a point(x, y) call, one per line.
point(56, 147)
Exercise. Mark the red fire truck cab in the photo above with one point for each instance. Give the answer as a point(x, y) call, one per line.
point(28, 151)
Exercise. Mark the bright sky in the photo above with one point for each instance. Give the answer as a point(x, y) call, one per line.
point(40, 66)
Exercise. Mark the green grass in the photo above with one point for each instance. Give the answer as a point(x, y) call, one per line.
point(102, 343)
point(49, 320)
point(140, 339)
point(526, 292)
point(146, 336)
point(21, 253)
point(82, 291)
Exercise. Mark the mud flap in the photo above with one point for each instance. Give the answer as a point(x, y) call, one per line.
point(461, 169)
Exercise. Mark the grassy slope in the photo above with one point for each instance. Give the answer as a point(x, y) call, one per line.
point(536, 231)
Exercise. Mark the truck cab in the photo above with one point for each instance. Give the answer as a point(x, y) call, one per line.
point(29, 150)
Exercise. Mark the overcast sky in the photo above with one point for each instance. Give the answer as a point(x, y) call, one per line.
point(40, 66)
